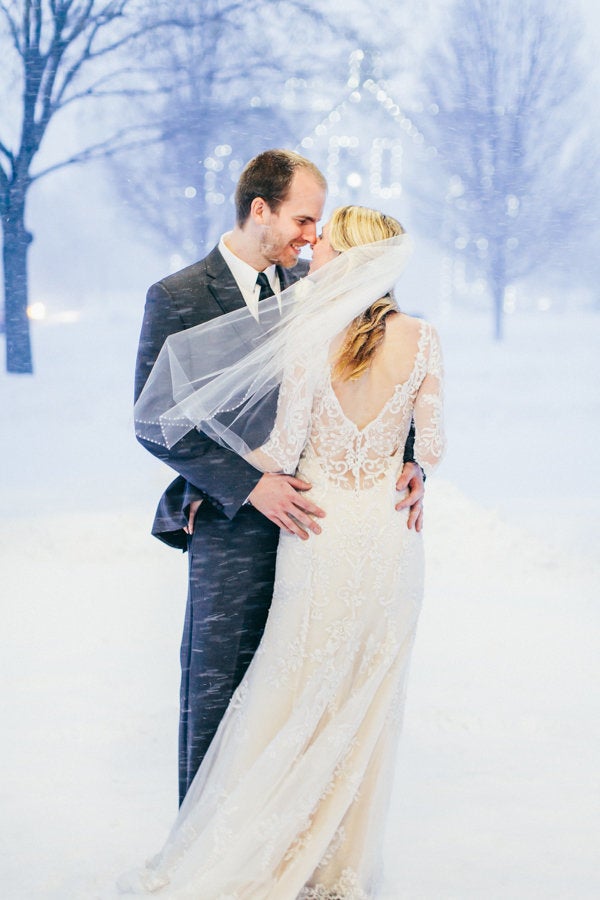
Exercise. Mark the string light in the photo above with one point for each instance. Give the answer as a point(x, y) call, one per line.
point(385, 153)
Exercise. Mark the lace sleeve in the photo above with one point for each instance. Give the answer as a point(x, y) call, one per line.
point(282, 450)
point(429, 430)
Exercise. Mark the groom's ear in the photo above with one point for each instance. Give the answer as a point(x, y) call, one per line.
point(260, 211)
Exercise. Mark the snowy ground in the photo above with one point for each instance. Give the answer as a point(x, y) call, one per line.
point(496, 796)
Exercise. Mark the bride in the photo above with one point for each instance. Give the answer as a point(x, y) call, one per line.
point(290, 801)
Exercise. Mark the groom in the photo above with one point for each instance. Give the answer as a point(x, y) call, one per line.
point(222, 510)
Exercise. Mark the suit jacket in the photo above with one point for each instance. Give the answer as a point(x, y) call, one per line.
point(205, 470)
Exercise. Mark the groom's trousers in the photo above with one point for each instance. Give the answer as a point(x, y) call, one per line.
point(231, 573)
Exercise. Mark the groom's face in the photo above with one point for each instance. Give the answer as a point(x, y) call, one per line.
point(294, 224)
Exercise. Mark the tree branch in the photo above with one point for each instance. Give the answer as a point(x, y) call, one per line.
point(101, 150)
point(7, 153)
point(114, 92)
point(38, 23)
point(4, 182)
point(13, 28)
point(25, 28)
point(87, 54)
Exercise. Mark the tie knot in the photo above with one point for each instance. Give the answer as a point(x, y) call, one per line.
point(265, 287)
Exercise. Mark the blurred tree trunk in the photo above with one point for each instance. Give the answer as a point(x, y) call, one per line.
point(498, 288)
point(15, 247)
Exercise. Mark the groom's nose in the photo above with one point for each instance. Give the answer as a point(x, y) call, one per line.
point(309, 233)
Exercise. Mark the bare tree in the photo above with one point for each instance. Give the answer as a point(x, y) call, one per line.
point(506, 108)
point(59, 53)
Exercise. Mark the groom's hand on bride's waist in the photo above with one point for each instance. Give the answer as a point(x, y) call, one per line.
point(281, 499)
point(411, 479)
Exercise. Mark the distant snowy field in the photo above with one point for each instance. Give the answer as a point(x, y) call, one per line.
point(497, 789)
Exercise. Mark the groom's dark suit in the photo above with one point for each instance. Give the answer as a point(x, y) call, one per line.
point(233, 547)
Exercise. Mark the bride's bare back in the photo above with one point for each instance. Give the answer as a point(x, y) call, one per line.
point(363, 398)
point(357, 428)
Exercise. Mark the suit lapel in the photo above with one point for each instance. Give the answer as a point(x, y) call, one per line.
point(221, 283)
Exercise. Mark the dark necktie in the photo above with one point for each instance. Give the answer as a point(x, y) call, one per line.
point(265, 288)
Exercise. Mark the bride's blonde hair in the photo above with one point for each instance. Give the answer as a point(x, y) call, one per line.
point(351, 226)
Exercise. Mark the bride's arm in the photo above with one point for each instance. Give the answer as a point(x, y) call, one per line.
point(282, 449)
point(428, 418)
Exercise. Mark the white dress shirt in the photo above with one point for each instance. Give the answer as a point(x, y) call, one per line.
point(245, 276)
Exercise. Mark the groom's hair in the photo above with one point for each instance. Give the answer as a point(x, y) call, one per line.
point(269, 175)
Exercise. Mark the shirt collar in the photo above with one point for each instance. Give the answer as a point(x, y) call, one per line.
point(245, 276)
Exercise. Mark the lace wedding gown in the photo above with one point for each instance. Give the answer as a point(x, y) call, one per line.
point(290, 801)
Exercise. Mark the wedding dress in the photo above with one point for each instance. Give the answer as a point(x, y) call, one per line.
point(290, 801)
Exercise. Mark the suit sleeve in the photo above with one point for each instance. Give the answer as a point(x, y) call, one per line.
point(161, 319)
point(409, 447)
point(214, 473)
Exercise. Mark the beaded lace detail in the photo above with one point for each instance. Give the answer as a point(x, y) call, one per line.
point(354, 457)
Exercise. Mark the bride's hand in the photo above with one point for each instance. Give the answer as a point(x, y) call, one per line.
point(411, 478)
